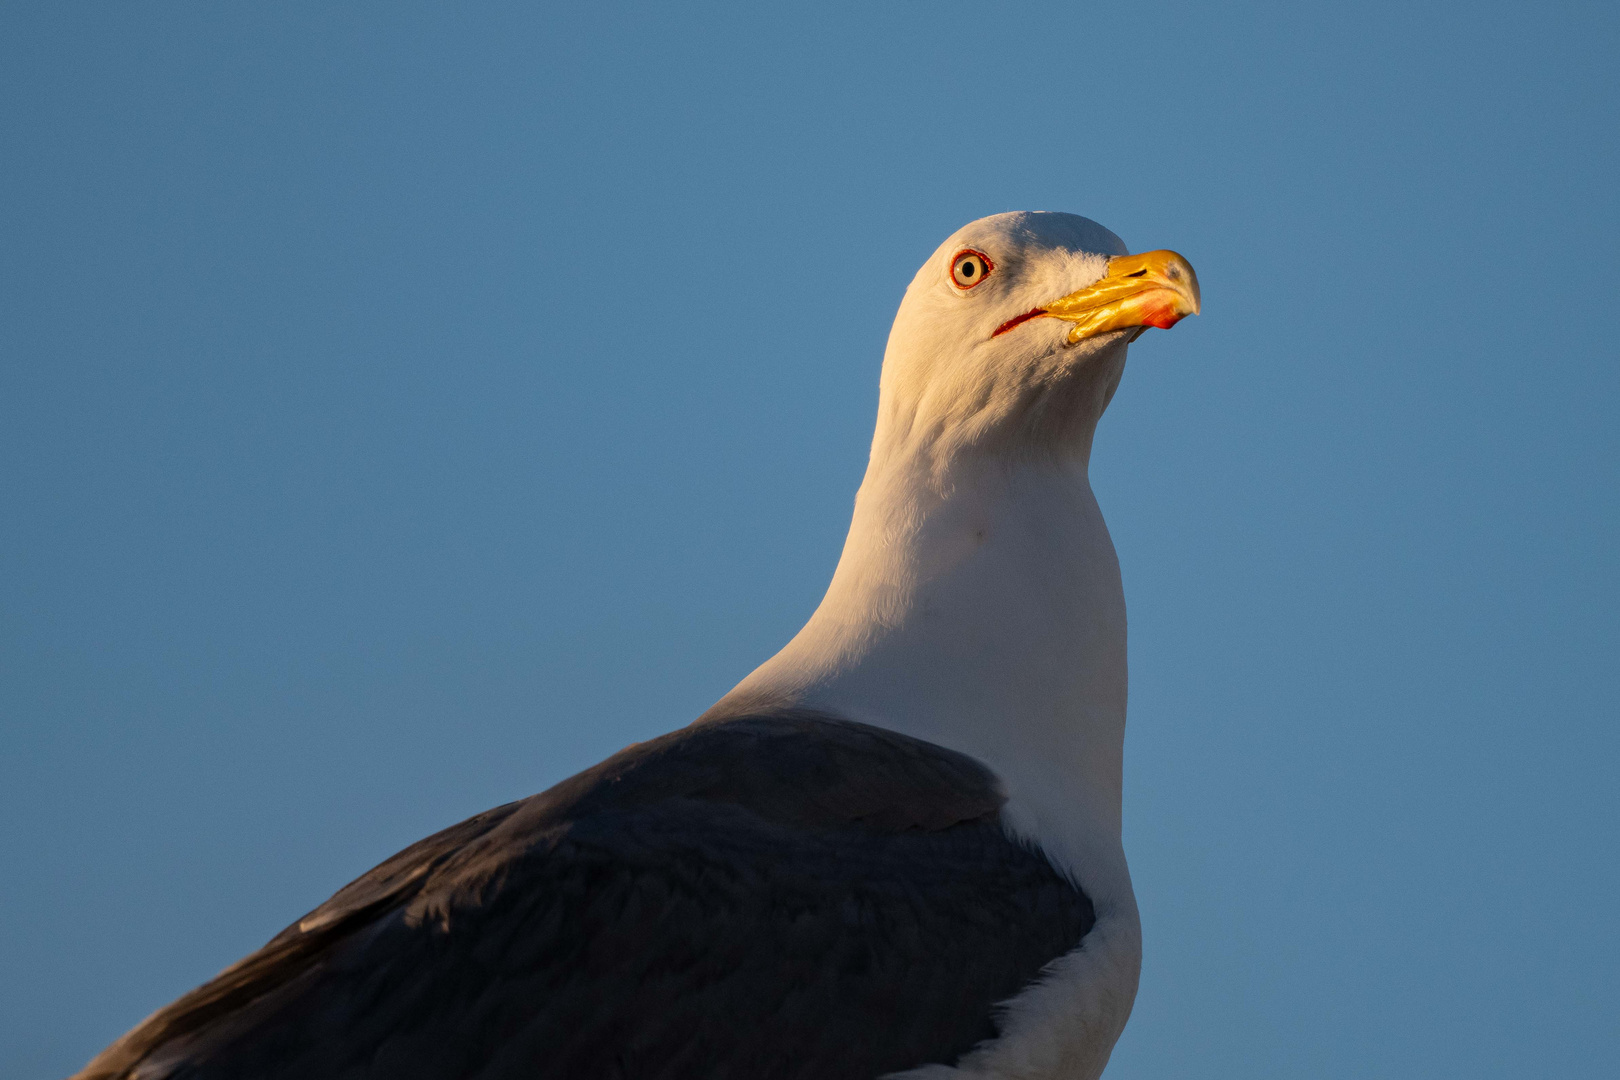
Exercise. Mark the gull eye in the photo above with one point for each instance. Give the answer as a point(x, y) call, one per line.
point(969, 268)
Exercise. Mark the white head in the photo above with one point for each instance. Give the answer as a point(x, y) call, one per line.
point(1011, 337)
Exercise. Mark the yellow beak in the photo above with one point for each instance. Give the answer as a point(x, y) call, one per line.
point(1155, 288)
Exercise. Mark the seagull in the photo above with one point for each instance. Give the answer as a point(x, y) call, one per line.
point(893, 850)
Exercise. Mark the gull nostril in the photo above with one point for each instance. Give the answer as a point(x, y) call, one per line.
point(1139, 273)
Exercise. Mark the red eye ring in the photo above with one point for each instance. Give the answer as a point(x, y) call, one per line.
point(969, 267)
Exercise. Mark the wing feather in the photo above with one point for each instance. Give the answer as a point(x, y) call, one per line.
point(784, 896)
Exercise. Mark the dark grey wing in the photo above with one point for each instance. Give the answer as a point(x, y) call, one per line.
point(291, 953)
point(790, 896)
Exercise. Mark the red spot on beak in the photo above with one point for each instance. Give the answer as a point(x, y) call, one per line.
point(1164, 318)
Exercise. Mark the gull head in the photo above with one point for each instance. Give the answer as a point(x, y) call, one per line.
point(1012, 336)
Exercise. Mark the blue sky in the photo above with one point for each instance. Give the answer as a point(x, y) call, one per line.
point(403, 407)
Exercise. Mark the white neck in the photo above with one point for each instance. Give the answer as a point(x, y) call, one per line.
point(978, 605)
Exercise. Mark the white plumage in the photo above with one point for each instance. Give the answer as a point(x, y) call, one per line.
point(978, 601)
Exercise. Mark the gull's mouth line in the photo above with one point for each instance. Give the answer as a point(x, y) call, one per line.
point(1033, 313)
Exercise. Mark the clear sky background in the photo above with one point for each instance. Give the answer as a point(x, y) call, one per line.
point(404, 406)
